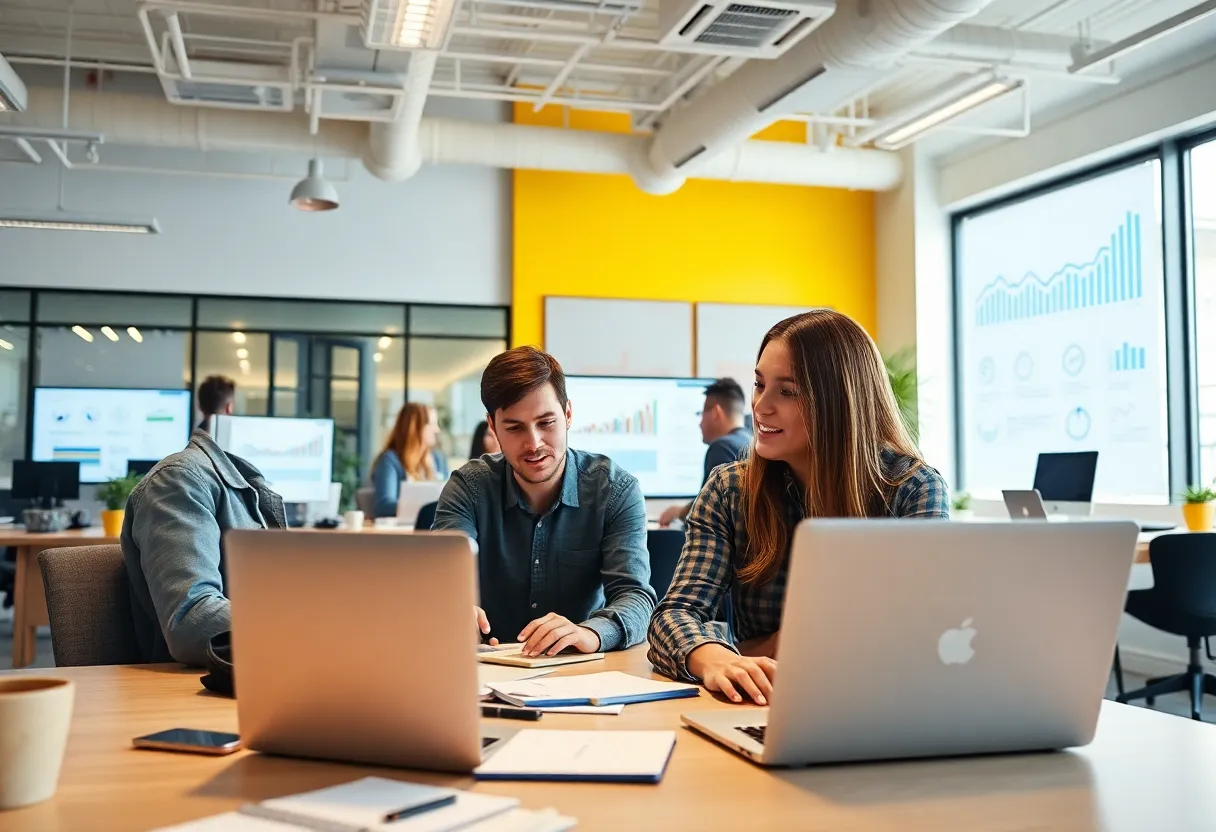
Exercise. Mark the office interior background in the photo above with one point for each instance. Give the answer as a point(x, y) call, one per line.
point(1024, 200)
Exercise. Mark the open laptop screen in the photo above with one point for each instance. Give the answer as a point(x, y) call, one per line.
point(1066, 477)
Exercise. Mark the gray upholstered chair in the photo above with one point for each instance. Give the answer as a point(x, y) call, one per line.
point(89, 603)
point(365, 501)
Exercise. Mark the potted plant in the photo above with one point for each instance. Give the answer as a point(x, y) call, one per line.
point(960, 505)
point(901, 372)
point(114, 494)
point(1199, 508)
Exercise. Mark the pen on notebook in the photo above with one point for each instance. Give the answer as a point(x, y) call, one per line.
point(530, 714)
point(422, 808)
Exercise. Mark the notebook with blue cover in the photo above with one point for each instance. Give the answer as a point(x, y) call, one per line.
point(608, 688)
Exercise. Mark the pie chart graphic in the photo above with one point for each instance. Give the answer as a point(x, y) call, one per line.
point(1077, 424)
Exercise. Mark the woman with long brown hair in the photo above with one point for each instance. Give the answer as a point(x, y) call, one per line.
point(408, 455)
point(829, 443)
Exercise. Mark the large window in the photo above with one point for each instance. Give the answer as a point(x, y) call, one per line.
point(1203, 215)
point(1060, 302)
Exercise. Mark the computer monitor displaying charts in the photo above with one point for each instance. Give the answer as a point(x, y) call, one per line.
point(296, 456)
point(651, 427)
point(1065, 481)
point(103, 429)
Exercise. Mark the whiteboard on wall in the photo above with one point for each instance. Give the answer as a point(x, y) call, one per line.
point(729, 336)
point(612, 337)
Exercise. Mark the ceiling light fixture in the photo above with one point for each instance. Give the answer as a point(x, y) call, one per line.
point(242, 353)
point(385, 342)
point(64, 221)
point(5, 345)
point(377, 358)
point(109, 333)
point(406, 24)
point(909, 124)
point(238, 337)
point(245, 367)
point(135, 334)
point(314, 192)
point(83, 333)
point(1083, 62)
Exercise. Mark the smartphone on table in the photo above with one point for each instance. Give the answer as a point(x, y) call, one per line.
point(190, 740)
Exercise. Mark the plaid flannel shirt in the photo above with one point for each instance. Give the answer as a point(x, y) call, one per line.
point(714, 547)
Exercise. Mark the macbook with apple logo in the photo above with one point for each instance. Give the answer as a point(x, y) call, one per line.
point(927, 638)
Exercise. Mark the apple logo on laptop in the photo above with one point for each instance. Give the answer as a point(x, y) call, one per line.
point(954, 646)
point(1025, 511)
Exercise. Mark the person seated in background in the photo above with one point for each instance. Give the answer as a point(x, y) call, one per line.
point(407, 456)
point(561, 534)
point(216, 397)
point(172, 544)
point(829, 443)
point(484, 441)
point(723, 430)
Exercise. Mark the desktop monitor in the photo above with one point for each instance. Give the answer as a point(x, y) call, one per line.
point(102, 429)
point(47, 482)
point(141, 467)
point(296, 456)
point(651, 427)
point(1065, 481)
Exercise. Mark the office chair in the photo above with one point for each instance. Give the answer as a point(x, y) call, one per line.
point(365, 501)
point(1182, 601)
point(664, 546)
point(88, 601)
point(426, 517)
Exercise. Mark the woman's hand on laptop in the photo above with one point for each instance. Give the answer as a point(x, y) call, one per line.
point(553, 633)
point(483, 624)
point(729, 673)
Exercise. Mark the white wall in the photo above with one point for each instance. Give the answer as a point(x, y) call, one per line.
point(443, 236)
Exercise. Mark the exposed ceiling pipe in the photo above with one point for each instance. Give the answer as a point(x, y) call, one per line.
point(857, 46)
point(996, 45)
point(392, 147)
point(140, 120)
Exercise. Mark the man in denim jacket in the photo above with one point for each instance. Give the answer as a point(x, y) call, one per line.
point(173, 548)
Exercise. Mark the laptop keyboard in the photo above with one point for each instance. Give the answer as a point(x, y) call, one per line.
point(756, 732)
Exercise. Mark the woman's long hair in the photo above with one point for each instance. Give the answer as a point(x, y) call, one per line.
point(477, 447)
point(851, 418)
point(406, 441)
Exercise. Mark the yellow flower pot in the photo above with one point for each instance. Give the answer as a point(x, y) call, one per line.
point(111, 522)
point(1199, 517)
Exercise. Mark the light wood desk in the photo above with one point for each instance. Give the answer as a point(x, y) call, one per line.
point(29, 599)
point(1145, 771)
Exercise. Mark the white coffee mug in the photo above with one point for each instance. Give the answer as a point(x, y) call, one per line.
point(35, 715)
point(353, 521)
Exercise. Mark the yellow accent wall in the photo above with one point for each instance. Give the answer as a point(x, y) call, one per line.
point(593, 235)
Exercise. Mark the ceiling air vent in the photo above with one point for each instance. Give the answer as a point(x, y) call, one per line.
point(232, 85)
point(760, 29)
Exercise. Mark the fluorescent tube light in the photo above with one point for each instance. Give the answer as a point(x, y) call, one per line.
point(64, 221)
point(406, 24)
point(1083, 62)
point(83, 333)
point(135, 335)
point(109, 333)
point(909, 124)
point(5, 345)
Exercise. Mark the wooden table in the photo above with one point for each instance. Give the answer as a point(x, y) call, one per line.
point(1145, 771)
point(29, 599)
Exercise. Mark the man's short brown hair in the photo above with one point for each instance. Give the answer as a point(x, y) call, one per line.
point(512, 375)
point(214, 393)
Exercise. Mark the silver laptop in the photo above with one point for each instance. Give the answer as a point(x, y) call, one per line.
point(932, 638)
point(1024, 505)
point(413, 496)
point(357, 647)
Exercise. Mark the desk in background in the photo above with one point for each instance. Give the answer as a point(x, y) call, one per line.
point(29, 598)
point(1139, 774)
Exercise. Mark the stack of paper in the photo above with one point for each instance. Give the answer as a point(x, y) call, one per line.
point(597, 689)
point(490, 673)
point(594, 756)
point(375, 804)
point(514, 658)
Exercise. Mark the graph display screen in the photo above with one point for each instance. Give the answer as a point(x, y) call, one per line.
point(1062, 338)
point(104, 428)
point(296, 456)
point(651, 427)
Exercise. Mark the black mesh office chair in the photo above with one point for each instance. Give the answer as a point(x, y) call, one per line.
point(426, 517)
point(1183, 602)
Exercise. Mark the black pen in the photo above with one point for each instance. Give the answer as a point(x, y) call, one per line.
point(530, 714)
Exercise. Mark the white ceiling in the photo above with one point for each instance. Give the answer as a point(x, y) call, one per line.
point(535, 63)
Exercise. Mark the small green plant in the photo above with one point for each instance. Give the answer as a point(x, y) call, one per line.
point(115, 492)
point(901, 371)
point(346, 471)
point(961, 501)
point(1198, 494)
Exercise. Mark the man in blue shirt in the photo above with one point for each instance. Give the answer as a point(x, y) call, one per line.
point(561, 534)
point(722, 428)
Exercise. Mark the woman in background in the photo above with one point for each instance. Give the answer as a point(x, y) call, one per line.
point(829, 443)
point(407, 456)
point(484, 441)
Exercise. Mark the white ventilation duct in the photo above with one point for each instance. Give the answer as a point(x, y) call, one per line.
point(139, 120)
point(855, 48)
point(392, 146)
point(991, 43)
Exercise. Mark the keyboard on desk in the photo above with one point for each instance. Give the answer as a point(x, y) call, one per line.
point(756, 732)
